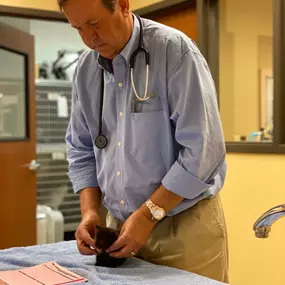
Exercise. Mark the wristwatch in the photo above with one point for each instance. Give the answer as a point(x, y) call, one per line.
point(157, 212)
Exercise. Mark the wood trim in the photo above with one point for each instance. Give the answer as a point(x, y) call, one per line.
point(19, 199)
point(208, 35)
point(31, 13)
point(279, 72)
point(157, 7)
point(38, 14)
point(202, 27)
point(176, 7)
point(266, 148)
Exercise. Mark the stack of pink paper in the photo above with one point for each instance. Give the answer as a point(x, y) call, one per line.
point(49, 273)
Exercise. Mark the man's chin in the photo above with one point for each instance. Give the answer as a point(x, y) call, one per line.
point(107, 55)
point(105, 52)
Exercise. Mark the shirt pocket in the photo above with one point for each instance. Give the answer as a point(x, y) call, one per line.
point(148, 148)
point(153, 104)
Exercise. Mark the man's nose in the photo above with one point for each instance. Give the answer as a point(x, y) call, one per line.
point(91, 35)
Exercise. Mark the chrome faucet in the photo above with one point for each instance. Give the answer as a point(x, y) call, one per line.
point(263, 225)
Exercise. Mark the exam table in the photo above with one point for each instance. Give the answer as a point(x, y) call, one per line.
point(132, 272)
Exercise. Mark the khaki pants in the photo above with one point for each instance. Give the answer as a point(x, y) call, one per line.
point(194, 240)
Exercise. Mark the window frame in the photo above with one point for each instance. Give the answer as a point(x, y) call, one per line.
point(208, 41)
point(26, 136)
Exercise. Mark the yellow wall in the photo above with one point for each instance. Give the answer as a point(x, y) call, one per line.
point(52, 4)
point(137, 4)
point(245, 47)
point(36, 4)
point(254, 184)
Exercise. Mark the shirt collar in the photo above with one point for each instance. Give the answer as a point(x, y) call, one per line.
point(127, 51)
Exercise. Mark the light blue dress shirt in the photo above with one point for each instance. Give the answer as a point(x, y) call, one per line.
point(175, 138)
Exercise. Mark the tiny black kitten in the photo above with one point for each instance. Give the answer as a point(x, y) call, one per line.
point(105, 237)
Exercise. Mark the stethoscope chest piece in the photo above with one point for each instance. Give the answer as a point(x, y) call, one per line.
point(101, 141)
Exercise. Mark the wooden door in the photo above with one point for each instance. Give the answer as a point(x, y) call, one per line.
point(17, 139)
point(182, 17)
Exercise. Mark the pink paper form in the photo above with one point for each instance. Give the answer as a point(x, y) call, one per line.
point(49, 273)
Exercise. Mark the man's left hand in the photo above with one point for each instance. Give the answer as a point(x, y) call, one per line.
point(134, 235)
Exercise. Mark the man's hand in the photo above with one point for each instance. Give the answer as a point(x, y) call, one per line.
point(134, 235)
point(86, 232)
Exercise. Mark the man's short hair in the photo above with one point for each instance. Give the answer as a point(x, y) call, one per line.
point(109, 4)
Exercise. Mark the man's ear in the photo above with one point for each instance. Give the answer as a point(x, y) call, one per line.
point(124, 6)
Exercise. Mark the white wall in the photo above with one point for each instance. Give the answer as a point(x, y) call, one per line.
point(50, 37)
point(11, 65)
point(18, 23)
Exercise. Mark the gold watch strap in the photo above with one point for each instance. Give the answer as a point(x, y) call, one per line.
point(150, 204)
point(152, 208)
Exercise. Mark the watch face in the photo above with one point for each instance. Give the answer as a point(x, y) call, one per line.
point(158, 214)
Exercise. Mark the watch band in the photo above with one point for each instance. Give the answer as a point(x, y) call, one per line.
point(150, 204)
point(154, 209)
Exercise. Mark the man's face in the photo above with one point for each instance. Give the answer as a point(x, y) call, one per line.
point(99, 28)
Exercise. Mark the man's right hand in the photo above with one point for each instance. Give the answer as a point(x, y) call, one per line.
point(86, 232)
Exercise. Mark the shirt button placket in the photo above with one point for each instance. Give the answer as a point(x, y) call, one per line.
point(119, 144)
point(120, 92)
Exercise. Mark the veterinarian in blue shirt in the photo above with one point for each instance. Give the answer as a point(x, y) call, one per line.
point(146, 138)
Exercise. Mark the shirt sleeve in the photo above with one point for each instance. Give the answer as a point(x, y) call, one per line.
point(198, 132)
point(80, 153)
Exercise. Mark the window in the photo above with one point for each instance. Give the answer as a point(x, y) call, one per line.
point(244, 43)
point(13, 94)
point(246, 70)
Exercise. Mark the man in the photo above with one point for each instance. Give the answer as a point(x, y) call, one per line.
point(164, 162)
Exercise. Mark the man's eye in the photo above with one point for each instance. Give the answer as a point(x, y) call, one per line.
point(77, 28)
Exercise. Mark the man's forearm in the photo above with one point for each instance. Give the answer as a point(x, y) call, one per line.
point(164, 199)
point(90, 200)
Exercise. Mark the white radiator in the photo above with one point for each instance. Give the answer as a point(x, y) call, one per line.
point(50, 225)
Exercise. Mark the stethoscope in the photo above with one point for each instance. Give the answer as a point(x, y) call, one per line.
point(101, 140)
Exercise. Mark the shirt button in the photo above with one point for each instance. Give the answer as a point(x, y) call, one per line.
point(121, 114)
point(122, 202)
point(119, 144)
point(120, 84)
point(118, 173)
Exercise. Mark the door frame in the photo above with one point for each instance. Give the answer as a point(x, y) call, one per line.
point(18, 215)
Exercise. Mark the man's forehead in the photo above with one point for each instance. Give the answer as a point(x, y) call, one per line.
point(78, 13)
point(84, 5)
